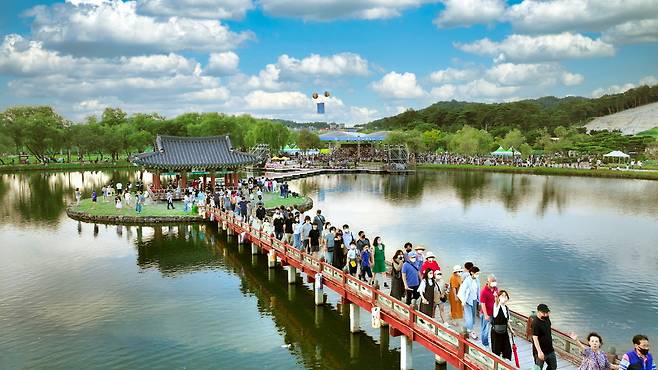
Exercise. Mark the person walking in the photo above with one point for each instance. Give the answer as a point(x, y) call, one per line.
point(411, 278)
point(338, 260)
point(593, 357)
point(352, 264)
point(639, 358)
point(94, 198)
point(305, 231)
point(139, 200)
point(442, 297)
point(78, 196)
point(500, 343)
point(314, 240)
point(542, 339)
point(397, 285)
point(468, 296)
point(427, 290)
point(328, 247)
point(429, 263)
point(487, 300)
point(367, 260)
point(288, 228)
point(456, 309)
point(319, 220)
point(297, 233)
point(170, 200)
point(379, 266)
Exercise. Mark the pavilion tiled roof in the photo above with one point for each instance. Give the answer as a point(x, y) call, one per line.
point(210, 152)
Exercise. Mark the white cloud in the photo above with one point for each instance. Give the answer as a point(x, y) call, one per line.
point(210, 9)
point(323, 10)
point(524, 48)
point(453, 75)
point(398, 86)
point(362, 114)
point(468, 12)
point(509, 74)
point(333, 65)
point(281, 100)
point(478, 90)
point(267, 78)
point(113, 27)
point(21, 57)
point(631, 32)
point(616, 89)
point(577, 15)
point(222, 64)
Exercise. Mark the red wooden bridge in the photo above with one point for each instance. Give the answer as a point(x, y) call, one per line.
point(413, 326)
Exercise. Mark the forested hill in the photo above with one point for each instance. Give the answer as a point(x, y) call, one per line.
point(529, 116)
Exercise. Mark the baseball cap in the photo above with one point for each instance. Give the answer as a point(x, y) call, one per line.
point(543, 308)
point(411, 254)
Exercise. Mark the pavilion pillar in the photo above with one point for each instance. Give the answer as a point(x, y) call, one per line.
point(212, 181)
point(156, 180)
point(205, 182)
point(183, 179)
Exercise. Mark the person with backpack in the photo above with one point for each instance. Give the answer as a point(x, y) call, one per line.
point(319, 220)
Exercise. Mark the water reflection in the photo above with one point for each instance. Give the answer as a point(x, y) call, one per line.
point(318, 336)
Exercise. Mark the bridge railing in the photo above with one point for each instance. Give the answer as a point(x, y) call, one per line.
point(438, 338)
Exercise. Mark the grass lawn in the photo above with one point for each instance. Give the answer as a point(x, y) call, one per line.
point(645, 175)
point(149, 210)
point(272, 200)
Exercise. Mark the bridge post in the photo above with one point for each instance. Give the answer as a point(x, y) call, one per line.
point(355, 341)
point(355, 318)
point(292, 275)
point(271, 259)
point(440, 362)
point(319, 292)
point(224, 226)
point(383, 339)
point(406, 351)
point(254, 249)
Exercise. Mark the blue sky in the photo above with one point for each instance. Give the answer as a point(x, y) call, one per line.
point(266, 57)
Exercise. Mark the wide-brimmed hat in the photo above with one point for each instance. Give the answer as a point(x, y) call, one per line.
point(429, 255)
point(419, 247)
point(457, 268)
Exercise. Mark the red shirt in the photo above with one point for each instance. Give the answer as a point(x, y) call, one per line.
point(429, 264)
point(488, 297)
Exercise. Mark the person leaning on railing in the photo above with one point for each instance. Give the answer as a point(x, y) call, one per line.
point(593, 357)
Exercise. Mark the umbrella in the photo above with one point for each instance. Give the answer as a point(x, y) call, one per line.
point(516, 353)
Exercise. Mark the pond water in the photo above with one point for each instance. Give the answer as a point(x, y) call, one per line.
point(588, 247)
point(77, 295)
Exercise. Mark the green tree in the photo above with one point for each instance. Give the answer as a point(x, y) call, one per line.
point(471, 141)
point(512, 139)
point(113, 117)
point(308, 140)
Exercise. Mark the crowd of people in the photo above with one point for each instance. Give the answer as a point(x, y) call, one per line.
point(417, 278)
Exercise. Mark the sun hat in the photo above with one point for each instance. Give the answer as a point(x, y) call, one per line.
point(430, 255)
point(420, 247)
point(457, 268)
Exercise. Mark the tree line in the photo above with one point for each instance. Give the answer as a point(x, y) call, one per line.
point(533, 117)
point(42, 132)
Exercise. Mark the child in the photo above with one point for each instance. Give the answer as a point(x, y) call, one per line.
point(352, 254)
point(367, 261)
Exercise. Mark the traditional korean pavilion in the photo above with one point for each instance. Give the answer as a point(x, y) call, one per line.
point(208, 156)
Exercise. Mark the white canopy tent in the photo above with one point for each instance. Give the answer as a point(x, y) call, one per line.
point(617, 154)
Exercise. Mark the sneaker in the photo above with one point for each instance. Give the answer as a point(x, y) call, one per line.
point(385, 285)
point(474, 336)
